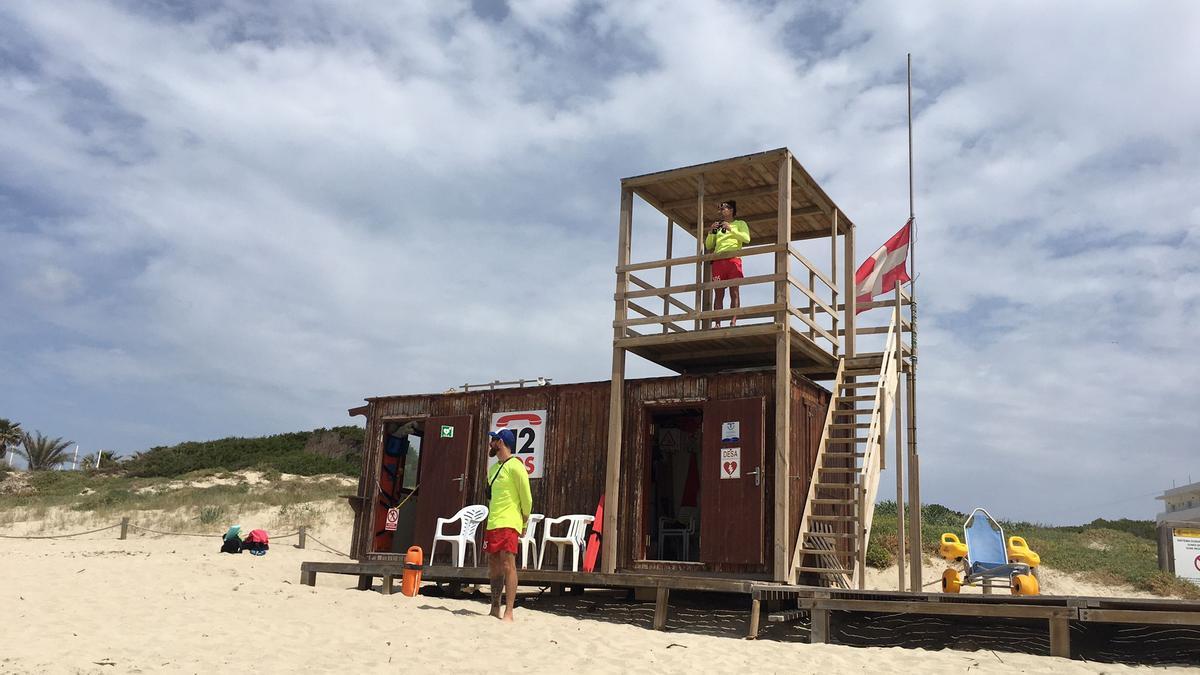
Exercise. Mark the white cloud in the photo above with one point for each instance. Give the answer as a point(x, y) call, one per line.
point(245, 220)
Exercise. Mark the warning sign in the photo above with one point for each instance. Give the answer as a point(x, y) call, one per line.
point(530, 427)
point(1187, 554)
point(731, 462)
point(393, 518)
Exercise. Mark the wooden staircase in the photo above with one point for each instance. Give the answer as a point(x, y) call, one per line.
point(836, 524)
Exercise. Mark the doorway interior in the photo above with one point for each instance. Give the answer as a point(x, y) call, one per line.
point(399, 475)
point(673, 484)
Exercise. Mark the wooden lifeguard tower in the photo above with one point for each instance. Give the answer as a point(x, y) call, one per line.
point(798, 318)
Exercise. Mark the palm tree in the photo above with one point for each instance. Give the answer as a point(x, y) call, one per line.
point(10, 436)
point(42, 453)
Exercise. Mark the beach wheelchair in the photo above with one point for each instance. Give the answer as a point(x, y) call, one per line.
point(986, 560)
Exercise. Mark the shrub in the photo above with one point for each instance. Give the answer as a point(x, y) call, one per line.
point(212, 514)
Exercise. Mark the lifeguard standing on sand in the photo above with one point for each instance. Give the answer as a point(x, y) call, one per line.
point(727, 236)
point(509, 505)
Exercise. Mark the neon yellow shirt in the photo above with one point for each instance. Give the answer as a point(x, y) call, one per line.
point(511, 500)
point(733, 240)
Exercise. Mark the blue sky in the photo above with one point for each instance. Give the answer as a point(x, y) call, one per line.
point(218, 220)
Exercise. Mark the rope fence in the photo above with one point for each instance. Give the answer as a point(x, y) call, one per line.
point(126, 525)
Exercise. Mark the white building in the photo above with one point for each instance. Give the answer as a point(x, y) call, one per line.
point(1182, 504)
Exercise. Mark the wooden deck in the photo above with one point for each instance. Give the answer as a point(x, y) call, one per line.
point(1063, 615)
point(726, 348)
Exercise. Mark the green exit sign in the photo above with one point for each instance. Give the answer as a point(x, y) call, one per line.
point(447, 431)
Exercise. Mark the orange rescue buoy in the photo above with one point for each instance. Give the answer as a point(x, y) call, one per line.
point(412, 571)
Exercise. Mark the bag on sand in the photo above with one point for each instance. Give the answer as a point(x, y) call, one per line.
point(257, 542)
point(232, 541)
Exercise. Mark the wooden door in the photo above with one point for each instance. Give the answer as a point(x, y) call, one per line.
point(443, 488)
point(732, 482)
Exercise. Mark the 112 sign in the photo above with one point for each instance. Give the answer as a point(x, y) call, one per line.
point(530, 427)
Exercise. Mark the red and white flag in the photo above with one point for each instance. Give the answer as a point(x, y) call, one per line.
point(879, 273)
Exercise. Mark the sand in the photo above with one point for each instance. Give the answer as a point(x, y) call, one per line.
point(173, 604)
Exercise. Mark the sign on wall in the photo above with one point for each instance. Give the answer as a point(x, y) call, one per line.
point(731, 462)
point(1187, 554)
point(530, 427)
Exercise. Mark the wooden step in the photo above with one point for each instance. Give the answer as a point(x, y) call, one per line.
point(852, 412)
point(846, 441)
point(857, 455)
point(834, 501)
point(838, 486)
point(858, 385)
point(823, 570)
point(860, 372)
point(829, 535)
point(822, 551)
point(838, 469)
point(834, 519)
point(852, 399)
point(849, 425)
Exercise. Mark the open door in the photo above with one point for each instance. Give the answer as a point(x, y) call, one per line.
point(443, 476)
point(732, 484)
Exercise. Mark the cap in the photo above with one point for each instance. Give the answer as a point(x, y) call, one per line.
point(506, 437)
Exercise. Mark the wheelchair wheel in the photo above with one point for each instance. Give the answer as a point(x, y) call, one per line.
point(951, 583)
point(1024, 584)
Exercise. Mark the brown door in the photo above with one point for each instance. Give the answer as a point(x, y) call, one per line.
point(732, 484)
point(443, 485)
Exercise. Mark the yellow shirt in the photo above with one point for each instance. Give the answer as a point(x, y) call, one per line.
point(511, 501)
point(733, 240)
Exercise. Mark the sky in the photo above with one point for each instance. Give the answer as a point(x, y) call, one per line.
point(226, 218)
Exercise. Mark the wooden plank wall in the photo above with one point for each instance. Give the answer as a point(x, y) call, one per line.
point(577, 441)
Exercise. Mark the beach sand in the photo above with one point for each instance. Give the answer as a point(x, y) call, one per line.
point(174, 604)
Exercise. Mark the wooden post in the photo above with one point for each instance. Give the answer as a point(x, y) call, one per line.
point(308, 578)
point(303, 537)
point(755, 615)
point(848, 292)
point(914, 482)
point(783, 377)
point(667, 271)
point(616, 399)
point(660, 608)
point(365, 581)
point(124, 527)
point(833, 277)
point(387, 584)
point(701, 266)
point(900, 548)
point(1060, 637)
point(818, 621)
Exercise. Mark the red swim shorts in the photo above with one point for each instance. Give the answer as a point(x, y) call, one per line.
point(727, 268)
point(501, 540)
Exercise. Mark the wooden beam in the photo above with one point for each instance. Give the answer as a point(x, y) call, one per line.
point(773, 217)
point(762, 249)
point(814, 299)
point(701, 269)
point(616, 400)
point(700, 169)
point(748, 193)
point(660, 607)
point(751, 312)
point(813, 326)
point(651, 292)
point(667, 272)
point(812, 268)
point(698, 336)
point(648, 313)
point(1060, 637)
point(848, 316)
point(783, 381)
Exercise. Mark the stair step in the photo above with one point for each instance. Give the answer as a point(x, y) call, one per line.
point(828, 535)
point(838, 469)
point(852, 411)
point(834, 501)
point(859, 385)
point(834, 519)
point(846, 441)
point(860, 372)
point(851, 399)
point(838, 486)
point(850, 425)
point(823, 570)
point(822, 551)
point(857, 455)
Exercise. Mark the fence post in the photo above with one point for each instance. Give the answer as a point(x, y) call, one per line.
point(124, 526)
point(303, 534)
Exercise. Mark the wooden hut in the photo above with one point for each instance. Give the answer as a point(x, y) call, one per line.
point(794, 510)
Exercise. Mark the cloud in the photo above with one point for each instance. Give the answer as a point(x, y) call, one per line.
point(220, 218)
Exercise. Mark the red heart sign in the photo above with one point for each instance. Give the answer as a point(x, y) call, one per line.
point(729, 467)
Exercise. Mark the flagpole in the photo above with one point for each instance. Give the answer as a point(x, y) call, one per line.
point(914, 470)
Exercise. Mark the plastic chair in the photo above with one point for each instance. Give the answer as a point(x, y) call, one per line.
point(471, 517)
point(684, 533)
point(529, 541)
point(576, 538)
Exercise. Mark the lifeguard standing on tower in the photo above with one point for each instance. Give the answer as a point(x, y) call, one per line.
point(727, 236)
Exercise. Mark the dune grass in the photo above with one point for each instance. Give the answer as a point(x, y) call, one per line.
point(1107, 552)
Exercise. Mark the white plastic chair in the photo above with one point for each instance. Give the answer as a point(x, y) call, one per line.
point(529, 541)
point(684, 533)
point(576, 532)
point(471, 517)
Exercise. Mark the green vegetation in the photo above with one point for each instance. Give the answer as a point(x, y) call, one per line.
point(10, 436)
point(307, 453)
point(42, 453)
point(1106, 551)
